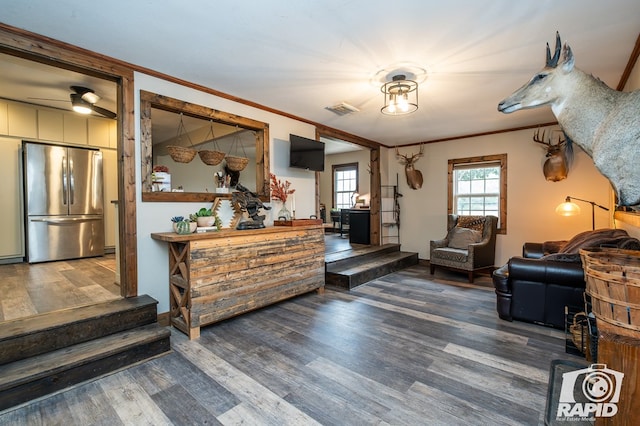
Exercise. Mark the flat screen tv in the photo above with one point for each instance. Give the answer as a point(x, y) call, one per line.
point(306, 153)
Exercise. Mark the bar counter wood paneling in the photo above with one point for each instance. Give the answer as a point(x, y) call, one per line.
point(216, 275)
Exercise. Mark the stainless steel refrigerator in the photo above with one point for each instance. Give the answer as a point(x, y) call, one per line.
point(63, 202)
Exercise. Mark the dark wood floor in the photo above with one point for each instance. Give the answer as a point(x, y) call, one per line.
point(406, 349)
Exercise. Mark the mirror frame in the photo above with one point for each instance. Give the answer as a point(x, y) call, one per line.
point(150, 100)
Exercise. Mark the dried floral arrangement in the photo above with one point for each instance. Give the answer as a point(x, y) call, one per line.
point(280, 191)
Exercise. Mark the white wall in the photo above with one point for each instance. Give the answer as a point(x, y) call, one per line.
point(153, 269)
point(531, 200)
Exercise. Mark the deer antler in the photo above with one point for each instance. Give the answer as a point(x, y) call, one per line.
point(537, 138)
point(409, 159)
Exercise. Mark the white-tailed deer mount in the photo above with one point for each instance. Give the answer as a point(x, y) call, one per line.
point(602, 121)
point(414, 176)
point(559, 156)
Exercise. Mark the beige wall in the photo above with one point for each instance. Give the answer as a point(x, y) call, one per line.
point(531, 200)
point(361, 157)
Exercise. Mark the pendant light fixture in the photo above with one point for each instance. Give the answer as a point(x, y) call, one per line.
point(400, 96)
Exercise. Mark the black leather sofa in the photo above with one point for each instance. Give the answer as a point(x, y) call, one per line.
point(536, 286)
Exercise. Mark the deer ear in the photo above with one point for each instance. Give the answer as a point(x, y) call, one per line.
point(567, 59)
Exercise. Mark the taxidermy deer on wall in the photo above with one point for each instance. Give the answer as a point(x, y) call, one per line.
point(559, 156)
point(414, 176)
point(602, 121)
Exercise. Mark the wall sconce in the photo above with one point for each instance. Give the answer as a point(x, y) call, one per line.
point(400, 96)
point(568, 208)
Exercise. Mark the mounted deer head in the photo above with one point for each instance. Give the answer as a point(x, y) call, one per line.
point(414, 177)
point(559, 156)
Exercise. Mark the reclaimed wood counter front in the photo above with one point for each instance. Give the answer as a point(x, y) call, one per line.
point(217, 275)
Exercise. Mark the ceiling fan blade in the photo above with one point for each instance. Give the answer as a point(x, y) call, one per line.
point(48, 99)
point(103, 112)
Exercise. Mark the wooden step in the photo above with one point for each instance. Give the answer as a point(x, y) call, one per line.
point(358, 271)
point(31, 378)
point(31, 336)
point(352, 255)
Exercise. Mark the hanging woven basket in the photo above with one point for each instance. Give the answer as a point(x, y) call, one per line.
point(179, 153)
point(236, 163)
point(211, 157)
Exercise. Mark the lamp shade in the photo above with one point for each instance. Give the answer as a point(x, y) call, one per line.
point(568, 209)
point(400, 96)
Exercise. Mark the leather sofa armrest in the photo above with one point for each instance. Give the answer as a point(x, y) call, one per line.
point(532, 250)
point(568, 274)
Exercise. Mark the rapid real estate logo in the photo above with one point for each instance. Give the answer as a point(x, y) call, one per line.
point(589, 392)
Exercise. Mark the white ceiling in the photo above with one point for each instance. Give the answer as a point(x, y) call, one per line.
point(302, 56)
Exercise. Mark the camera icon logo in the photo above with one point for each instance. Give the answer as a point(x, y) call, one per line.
point(590, 392)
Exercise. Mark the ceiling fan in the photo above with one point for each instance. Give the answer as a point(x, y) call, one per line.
point(83, 101)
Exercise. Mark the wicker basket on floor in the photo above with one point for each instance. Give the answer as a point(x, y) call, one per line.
point(211, 158)
point(613, 282)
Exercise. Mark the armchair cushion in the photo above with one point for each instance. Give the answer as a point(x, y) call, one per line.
point(471, 222)
point(461, 238)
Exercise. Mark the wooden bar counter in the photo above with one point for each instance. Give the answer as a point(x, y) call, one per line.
point(217, 275)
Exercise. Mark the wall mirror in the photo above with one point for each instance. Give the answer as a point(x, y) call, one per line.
point(167, 123)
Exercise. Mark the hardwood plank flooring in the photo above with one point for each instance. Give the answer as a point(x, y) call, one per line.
point(31, 289)
point(406, 349)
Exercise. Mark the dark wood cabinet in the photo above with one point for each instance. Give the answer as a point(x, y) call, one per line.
point(359, 226)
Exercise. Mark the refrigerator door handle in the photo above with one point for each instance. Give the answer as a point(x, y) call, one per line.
point(63, 220)
point(64, 181)
point(72, 183)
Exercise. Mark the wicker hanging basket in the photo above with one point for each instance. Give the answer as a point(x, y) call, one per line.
point(236, 163)
point(179, 153)
point(211, 157)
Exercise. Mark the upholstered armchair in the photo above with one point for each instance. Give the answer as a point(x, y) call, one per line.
point(469, 246)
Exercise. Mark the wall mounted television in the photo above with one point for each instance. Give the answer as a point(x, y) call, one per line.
point(306, 153)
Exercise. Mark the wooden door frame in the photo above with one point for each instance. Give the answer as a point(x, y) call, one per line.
point(37, 48)
point(374, 176)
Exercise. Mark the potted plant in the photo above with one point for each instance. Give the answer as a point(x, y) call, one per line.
point(182, 225)
point(207, 217)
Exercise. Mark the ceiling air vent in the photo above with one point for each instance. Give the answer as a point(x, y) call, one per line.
point(343, 108)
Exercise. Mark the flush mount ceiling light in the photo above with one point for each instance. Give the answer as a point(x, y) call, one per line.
point(80, 105)
point(400, 96)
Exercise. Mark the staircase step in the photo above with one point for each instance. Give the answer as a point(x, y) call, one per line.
point(35, 335)
point(357, 272)
point(353, 255)
point(47, 373)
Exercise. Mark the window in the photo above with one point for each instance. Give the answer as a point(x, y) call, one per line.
point(478, 186)
point(345, 184)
